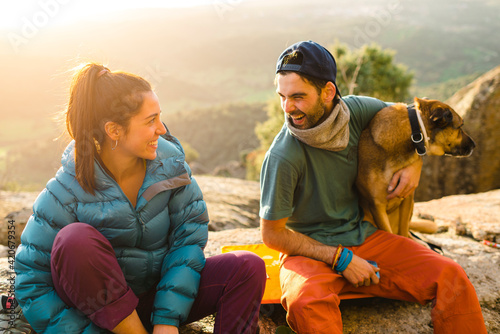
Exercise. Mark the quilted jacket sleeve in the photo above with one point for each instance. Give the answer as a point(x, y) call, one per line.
point(43, 308)
point(180, 274)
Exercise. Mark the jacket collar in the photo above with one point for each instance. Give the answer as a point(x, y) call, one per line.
point(166, 171)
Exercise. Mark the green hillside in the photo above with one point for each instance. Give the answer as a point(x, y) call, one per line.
point(200, 60)
point(219, 134)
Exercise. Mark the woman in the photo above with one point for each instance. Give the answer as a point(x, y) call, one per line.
point(116, 239)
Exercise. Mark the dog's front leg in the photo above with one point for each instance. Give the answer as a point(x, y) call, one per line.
point(405, 212)
point(379, 211)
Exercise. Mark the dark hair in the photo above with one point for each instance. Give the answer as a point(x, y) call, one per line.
point(96, 97)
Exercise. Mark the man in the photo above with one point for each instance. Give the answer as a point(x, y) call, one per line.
point(310, 213)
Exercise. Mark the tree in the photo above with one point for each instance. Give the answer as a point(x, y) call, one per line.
point(369, 71)
point(190, 153)
point(265, 132)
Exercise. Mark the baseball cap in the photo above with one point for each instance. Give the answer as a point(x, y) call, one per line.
point(311, 59)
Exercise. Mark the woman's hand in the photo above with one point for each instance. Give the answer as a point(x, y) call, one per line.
point(405, 181)
point(360, 273)
point(165, 329)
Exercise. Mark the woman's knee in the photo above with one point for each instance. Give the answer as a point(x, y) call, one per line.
point(252, 264)
point(78, 239)
point(74, 232)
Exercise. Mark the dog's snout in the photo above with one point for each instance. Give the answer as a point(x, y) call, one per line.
point(473, 143)
point(465, 148)
point(468, 142)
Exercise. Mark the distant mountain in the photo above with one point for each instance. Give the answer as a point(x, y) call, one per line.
point(208, 55)
point(219, 134)
point(203, 57)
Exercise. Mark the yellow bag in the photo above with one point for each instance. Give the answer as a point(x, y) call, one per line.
point(272, 293)
point(271, 257)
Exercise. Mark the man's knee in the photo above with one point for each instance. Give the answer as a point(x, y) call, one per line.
point(454, 280)
point(313, 310)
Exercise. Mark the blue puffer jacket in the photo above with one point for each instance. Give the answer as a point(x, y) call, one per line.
point(160, 241)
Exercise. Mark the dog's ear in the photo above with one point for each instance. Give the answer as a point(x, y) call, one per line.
point(420, 103)
point(416, 102)
point(442, 117)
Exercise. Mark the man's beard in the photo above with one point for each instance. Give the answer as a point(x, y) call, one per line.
point(316, 117)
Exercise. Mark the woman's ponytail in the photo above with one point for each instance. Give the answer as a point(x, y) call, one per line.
point(94, 94)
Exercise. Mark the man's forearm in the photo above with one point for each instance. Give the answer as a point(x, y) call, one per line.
point(276, 236)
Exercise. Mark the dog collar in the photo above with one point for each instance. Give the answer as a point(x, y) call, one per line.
point(418, 134)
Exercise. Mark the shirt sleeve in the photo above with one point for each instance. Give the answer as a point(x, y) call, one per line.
point(362, 109)
point(278, 181)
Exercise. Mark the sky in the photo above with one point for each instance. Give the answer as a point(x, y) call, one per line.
point(15, 13)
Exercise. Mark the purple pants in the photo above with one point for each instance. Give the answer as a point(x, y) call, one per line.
point(87, 276)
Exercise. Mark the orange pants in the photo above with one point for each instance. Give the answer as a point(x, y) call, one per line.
point(408, 272)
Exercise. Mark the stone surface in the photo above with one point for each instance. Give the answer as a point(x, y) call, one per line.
point(474, 215)
point(15, 209)
point(233, 208)
point(377, 315)
point(231, 203)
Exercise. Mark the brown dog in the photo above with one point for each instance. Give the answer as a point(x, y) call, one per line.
point(385, 147)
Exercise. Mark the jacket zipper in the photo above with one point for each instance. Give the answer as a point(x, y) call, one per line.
point(137, 216)
point(141, 229)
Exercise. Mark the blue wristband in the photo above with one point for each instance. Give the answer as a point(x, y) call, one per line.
point(345, 259)
point(342, 258)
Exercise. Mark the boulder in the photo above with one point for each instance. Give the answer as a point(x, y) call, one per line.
point(15, 209)
point(232, 203)
point(479, 104)
point(473, 215)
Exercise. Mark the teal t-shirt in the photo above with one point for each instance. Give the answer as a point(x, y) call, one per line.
point(315, 188)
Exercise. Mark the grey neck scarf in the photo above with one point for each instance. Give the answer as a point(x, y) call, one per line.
point(331, 135)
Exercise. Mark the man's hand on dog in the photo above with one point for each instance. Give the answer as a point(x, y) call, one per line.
point(405, 181)
point(361, 273)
